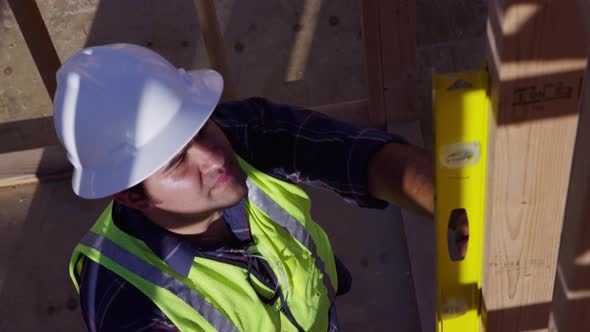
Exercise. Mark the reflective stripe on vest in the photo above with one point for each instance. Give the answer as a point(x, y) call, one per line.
point(289, 229)
point(333, 320)
point(292, 226)
point(160, 278)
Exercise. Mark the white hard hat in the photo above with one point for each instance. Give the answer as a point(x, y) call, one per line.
point(122, 112)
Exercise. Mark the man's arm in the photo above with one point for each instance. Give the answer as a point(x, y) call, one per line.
point(304, 147)
point(403, 174)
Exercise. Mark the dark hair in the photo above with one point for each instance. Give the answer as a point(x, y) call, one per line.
point(138, 189)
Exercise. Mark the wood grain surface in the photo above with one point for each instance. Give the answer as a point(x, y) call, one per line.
point(537, 59)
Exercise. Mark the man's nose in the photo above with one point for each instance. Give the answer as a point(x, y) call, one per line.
point(209, 158)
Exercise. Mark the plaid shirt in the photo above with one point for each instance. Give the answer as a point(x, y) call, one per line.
point(291, 144)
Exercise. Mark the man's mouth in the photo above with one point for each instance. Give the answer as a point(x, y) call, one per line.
point(225, 177)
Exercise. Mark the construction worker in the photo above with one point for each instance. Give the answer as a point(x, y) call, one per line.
point(207, 229)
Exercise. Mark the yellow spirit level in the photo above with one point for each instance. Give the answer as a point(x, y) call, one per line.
point(461, 108)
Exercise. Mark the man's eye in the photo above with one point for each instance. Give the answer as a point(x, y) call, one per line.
point(181, 159)
point(177, 162)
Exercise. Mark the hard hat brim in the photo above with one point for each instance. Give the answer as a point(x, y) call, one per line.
point(201, 99)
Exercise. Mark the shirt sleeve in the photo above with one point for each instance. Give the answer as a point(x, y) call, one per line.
point(109, 303)
point(304, 146)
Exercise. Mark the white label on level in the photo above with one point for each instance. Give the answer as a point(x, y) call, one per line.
point(460, 154)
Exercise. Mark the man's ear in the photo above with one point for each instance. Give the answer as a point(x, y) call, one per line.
point(133, 200)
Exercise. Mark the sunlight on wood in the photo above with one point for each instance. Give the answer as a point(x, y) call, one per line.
point(583, 259)
point(533, 68)
point(571, 294)
point(303, 40)
point(517, 15)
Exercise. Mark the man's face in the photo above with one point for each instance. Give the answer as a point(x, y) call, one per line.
point(204, 177)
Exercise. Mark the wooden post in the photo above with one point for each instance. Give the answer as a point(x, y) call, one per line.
point(215, 45)
point(37, 37)
point(389, 37)
point(571, 296)
point(537, 60)
point(27, 134)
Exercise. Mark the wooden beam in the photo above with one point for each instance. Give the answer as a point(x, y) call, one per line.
point(536, 60)
point(40, 132)
point(398, 49)
point(373, 62)
point(389, 38)
point(571, 297)
point(37, 37)
point(215, 45)
point(353, 112)
point(585, 12)
point(50, 162)
point(27, 134)
point(33, 165)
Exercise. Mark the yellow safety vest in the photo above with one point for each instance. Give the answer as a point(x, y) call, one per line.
point(218, 296)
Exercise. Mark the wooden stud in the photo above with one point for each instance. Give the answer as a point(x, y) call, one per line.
point(215, 44)
point(398, 49)
point(373, 62)
point(571, 296)
point(537, 60)
point(389, 37)
point(353, 112)
point(40, 132)
point(37, 37)
point(27, 134)
point(33, 165)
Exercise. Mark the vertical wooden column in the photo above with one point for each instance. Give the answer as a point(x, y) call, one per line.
point(537, 57)
point(570, 310)
point(571, 296)
point(39, 42)
point(215, 45)
point(389, 37)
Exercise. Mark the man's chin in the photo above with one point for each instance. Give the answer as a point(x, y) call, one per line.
point(234, 196)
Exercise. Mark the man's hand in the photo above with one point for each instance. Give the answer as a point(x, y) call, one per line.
point(403, 174)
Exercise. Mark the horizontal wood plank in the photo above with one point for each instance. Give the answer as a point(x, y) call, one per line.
point(45, 163)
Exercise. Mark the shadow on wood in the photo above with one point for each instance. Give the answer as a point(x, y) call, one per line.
point(531, 317)
point(537, 67)
point(41, 224)
point(27, 134)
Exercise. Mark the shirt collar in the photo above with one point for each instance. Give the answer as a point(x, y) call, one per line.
point(177, 252)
